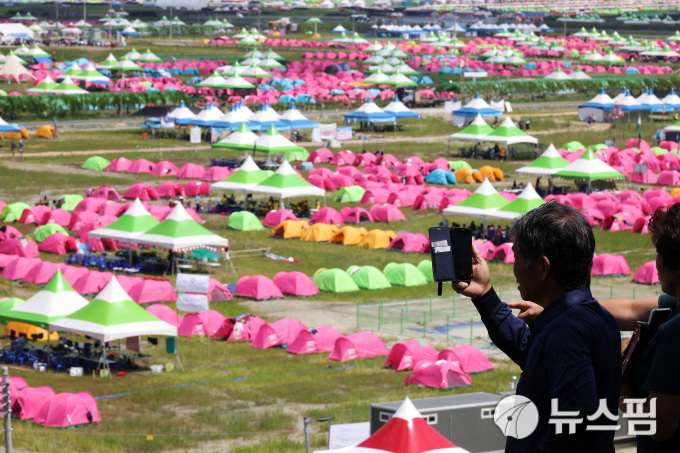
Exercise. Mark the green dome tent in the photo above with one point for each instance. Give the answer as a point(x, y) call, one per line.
point(47, 229)
point(96, 163)
point(334, 280)
point(404, 274)
point(458, 164)
point(206, 253)
point(69, 202)
point(425, 266)
point(351, 194)
point(244, 221)
point(12, 212)
point(368, 277)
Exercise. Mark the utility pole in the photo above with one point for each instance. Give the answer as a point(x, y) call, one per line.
point(6, 410)
point(171, 23)
point(85, 12)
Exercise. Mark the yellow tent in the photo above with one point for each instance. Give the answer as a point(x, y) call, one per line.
point(46, 131)
point(20, 328)
point(290, 229)
point(349, 235)
point(17, 135)
point(476, 175)
point(377, 239)
point(488, 172)
point(319, 232)
point(675, 192)
point(464, 176)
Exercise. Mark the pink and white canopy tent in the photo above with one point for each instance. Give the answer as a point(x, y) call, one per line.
point(470, 359)
point(68, 409)
point(319, 339)
point(360, 345)
point(441, 374)
point(404, 356)
point(283, 331)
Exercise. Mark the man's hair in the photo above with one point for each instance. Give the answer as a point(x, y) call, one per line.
point(665, 229)
point(561, 234)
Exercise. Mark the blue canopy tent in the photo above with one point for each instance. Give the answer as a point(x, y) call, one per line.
point(297, 120)
point(596, 107)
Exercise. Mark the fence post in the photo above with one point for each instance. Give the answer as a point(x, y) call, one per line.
point(402, 321)
point(406, 305)
point(430, 308)
point(424, 323)
point(447, 328)
point(380, 315)
point(611, 291)
point(454, 304)
point(633, 292)
point(358, 314)
point(471, 327)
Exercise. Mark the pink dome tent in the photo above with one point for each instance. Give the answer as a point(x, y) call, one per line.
point(278, 333)
point(410, 242)
point(647, 274)
point(164, 168)
point(140, 166)
point(321, 155)
point(503, 253)
point(257, 287)
point(58, 216)
point(295, 283)
point(319, 339)
point(14, 246)
point(204, 323)
point(216, 173)
point(404, 356)
point(610, 266)
point(73, 273)
point(193, 188)
point(92, 282)
point(326, 215)
point(165, 313)
point(120, 164)
point(171, 189)
point(107, 193)
point(641, 225)
point(241, 328)
point(142, 191)
point(356, 215)
point(34, 214)
point(441, 374)
point(191, 171)
point(10, 232)
point(43, 272)
point(217, 292)
point(30, 401)
point(17, 385)
point(18, 269)
point(274, 218)
point(386, 213)
point(127, 282)
point(6, 259)
point(68, 409)
point(470, 359)
point(360, 345)
point(151, 290)
point(89, 204)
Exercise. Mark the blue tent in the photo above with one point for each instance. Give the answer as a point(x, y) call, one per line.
point(597, 102)
point(440, 176)
point(426, 81)
point(298, 121)
point(632, 71)
point(477, 106)
point(368, 113)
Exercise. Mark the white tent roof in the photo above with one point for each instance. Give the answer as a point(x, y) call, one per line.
point(292, 185)
point(181, 112)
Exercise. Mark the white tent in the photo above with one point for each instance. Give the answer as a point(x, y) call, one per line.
point(14, 69)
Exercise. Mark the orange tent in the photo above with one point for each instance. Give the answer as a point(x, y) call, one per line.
point(476, 175)
point(46, 131)
point(349, 235)
point(675, 192)
point(17, 135)
point(464, 176)
point(377, 239)
point(290, 229)
point(20, 328)
point(488, 172)
point(319, 232)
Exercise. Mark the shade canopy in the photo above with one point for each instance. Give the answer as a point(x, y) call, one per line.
point(525, 202)
point(477, 106)
point(482, 202)
point(474, 131)
point(248, 175)
point(286, 183)
point(547, 164)
point(589, 167)
point(133, 223)
point(508, 134)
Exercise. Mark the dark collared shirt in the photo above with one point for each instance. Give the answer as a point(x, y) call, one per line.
point(571, 352)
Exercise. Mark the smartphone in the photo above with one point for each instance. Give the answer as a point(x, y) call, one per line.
point(442, 258)
point(461, 242)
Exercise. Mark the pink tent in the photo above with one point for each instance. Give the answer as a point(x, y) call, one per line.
point(92, 282)
point(164, 168)
point(17, 385)
point(141, 166)
point(165, 313)
point(641, 225)
point(485, 247)
point(278, 333)
point(34, 214)
point(120, 164)
point(10, 232)
point(242, 328)
point(216, 173)
point(128, 282)
point(170, 189)
point(58, 216)
point(193, 188)
point(68, 409)
point(81, 218)
point(326, 215)
point(321, 155)
point(109, 209)
point(43, 272)
point(647, 274)
point(217, 292)
point(410, 242)
point(404, 198)
point(142, 191)
point(295, 283)
point(386, 213)
point(404, 356)
point(470, 359)
point(356, 215)
point(201, 324)
point(360, 345)
point(257, 287)
point(345, 157)
point(14, 246)
point(148, 291)
point(89, 204)
point(274, 218)
point(441, 374)
point(610, 265)
point(6, 259)
point(73, 273)
point(191, 171)
point(320, 339)
point(30, 401)
point(503, 253)
point(19, 269)
point(107, 193)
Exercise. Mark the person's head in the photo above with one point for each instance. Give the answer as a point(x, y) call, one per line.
point(552, 242)
point(663, 227)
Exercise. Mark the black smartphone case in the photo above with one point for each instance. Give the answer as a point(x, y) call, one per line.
point(442, 254)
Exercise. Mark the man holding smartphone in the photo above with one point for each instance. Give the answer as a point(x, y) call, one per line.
point(571, 352)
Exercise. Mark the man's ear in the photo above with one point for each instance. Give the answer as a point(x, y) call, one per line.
point(542, 267)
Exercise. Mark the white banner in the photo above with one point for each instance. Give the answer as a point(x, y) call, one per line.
point(508, 107)
point(316, 135)
point(327, 131)
point(500, 105)
point(193, 283)
point(458, 121)
point(348, 434)
point(344, 133)
point(475, 74)
point(195, 135)
point(449, 106)
point(192, 303)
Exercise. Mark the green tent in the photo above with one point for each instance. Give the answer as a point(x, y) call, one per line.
point(425, 266)
point(292, 156)
point(244, 221)
point(368, 277)
point(351, 194)
point(50, 228)
point(589, 167)
point(7, 304)
point(95, 163)
point(334, 280)
point(404, 274)
point(134, 222)
point(207, 254)
point(525, 202)
point(70, 201)
point(573, 146)
point(12, 212)
point(546, 164)
point(286, 183)
point(248, 175)
point(458, 164)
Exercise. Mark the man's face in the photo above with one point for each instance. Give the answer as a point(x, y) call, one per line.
point(667, 277)
point(527, 283)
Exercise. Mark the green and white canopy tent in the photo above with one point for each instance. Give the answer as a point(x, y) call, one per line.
point(236, 81)
point(525, 202)
point(180, 232)
point(589, 168)
point(483, 202)
point(56, 300)
point(133, 223)
point(547, 164)
point(273, 142)
point(44, 86)
point(286, 183)
point(214, 81)
point(474, 131)
point(68, 87)
point(248, 175)
point(242, 138)
point(509, 134)
point(126, 65)
point(108, 63)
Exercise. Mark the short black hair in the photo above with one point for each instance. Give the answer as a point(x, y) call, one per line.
point(561, 234)
point(664, 227)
